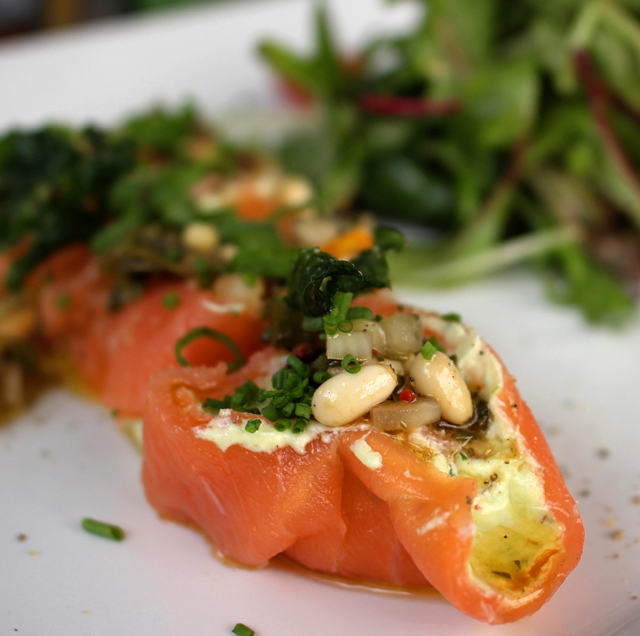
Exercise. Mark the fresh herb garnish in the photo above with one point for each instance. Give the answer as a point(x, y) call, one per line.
point(350, 364)
point(451, 317)
point(171, 300)
point(430, 347)
point(317, 277)
point(252, 426)
point(102, 529)
point(293, 388)
point(242, 630)
point(207, 332)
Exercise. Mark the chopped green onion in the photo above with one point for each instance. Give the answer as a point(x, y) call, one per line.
point(299, 427)
point(321, 376)
point(298, 366)
point(359, 313)
point(206, 332)
point(283, 424)
point(451, 317)
point(242, 630)
point(430, 347)
point(312, 324)
point(341, 302)
point(107, 530)
point(213, 406)
point(350, 364)
point(288, 409)
point(271, 413)
point(330, 325)
point(63, 301)
point(346, 326)
point(378, 318)
point(252, 426)
point(303, 410)
point(463, 457)
point(171, 300)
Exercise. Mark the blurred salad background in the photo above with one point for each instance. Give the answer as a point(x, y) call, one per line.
point(509, 132)
point(510, 129)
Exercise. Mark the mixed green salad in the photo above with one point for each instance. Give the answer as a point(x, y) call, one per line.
point(510, 129)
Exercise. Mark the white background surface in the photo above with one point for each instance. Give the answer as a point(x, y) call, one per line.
point(64, 460)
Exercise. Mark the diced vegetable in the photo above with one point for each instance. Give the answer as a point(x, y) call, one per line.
point(393, 416)
point(372, 327)
point(357, 344)
point(403, 334)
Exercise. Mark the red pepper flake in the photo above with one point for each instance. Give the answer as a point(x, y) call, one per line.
point(407, 395)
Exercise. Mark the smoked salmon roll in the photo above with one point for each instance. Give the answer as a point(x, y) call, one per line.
point(389, 445)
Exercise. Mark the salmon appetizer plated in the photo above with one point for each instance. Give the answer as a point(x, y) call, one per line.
point(374, 441)
point(290, 406)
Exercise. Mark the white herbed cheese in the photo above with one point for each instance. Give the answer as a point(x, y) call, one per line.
point(370, 458)
point(223, 432)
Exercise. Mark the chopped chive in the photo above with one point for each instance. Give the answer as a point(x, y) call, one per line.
point(171, 300)
point(283, 424)
point(102, 529)
point(299, 426)
point(451, 317)
point(303, 410)
point(463, 457)
point(350, 364)
point(271, 413)
point(378, 318)
point(359, 313)
point(298, 366)
point(321, 376)
point(63, 301)
point(430, 347)
point(252, 426)
point(242, 630)
point(288, 409)
point(330, 325)
point(428, 351)
point(213, 406)
point(312, 324)
point(206, 332)
point(346, 326)
point(341, 302)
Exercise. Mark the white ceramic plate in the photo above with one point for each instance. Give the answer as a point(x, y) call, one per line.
point(64, 460)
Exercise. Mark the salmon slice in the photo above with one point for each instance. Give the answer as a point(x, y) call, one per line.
point(116, 353)
point(361, 503)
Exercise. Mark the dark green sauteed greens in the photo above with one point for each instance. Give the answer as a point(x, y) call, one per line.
point(511, 129)
point(127, 193)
